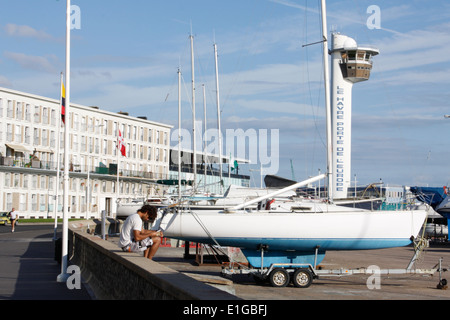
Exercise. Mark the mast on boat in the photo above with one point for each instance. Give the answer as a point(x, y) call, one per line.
point(194, 140)
point(205, 156)
point(179, 135)
point(218, 117)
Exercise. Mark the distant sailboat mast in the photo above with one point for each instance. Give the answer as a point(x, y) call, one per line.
point(218, 117)
point(179, 135)
point(194, 139)
point(205, 156)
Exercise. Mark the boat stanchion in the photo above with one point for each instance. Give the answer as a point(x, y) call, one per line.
point(442, 282)
point(262, 248)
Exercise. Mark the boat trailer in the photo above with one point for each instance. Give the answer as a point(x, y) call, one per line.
point(302, 275)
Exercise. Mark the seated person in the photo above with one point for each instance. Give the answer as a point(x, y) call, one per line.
point(133, 238)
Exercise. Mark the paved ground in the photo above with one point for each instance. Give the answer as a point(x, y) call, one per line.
point(28, 268)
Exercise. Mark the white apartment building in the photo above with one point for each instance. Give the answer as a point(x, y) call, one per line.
point(28, 157)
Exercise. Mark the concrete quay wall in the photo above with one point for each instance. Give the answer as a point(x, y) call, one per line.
point(116, 275)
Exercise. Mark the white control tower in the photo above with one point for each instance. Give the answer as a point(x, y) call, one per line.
point(349, 64)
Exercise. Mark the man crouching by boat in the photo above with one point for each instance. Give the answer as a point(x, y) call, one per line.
point(133, 237)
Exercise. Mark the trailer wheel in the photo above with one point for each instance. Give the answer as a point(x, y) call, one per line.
point(279, 278)
point(302, 278)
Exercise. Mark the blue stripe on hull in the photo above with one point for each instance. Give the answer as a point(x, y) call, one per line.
point(307, 245)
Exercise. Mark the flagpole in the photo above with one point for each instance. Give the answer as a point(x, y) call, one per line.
point(119, 143)
point(65, 233)
point(58, 159)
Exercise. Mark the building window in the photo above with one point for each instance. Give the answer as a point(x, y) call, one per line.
point(43, 182)
point(9, 201)
point(44, 138)
point(23, 202)
point(28, 112)
point(75, 143)
point(97, 146)
point(149, 153)
point(34, 202)
point(9, 111)
point(83, 124)
point(25, 181)
point(7, 180)
point(27, 135)
point(52, 139)
point(45, 116)
point(76, 123)
point(37, 114)
point(19, 111)
point(42, 207)
point(16, 180)
point(18, 134)
point(53, 117)
point(34, 182)
point(36, 137)
point(9, 133)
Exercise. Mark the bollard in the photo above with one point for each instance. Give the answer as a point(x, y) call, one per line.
point(103, 224)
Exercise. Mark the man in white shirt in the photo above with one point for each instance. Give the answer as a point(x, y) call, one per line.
point(13, 218)
point(133, 237)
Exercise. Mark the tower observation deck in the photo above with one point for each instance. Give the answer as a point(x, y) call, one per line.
point(350, 64)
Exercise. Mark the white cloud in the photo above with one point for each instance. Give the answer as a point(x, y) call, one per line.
point(4, 82)
point(36, 63)
point(23, 31)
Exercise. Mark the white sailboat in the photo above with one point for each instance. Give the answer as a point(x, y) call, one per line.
point(291, 230)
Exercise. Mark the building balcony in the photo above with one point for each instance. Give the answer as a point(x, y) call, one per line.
point(22, 165)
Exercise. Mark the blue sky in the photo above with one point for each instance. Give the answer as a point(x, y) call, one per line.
point(126, 55)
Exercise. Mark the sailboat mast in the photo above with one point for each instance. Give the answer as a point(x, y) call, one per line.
point(205, 161)
point(218, 117)
point(194, 140)
point(179, 135)
point(327, 101)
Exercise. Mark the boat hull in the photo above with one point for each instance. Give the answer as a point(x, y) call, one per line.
point(358, 230)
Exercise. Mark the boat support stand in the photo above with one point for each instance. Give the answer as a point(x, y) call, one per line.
point(302, 275)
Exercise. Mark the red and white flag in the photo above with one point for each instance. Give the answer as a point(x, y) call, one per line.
point(121, 144)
